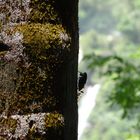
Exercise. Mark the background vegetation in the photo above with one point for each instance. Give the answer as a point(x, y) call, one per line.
point(110, 41)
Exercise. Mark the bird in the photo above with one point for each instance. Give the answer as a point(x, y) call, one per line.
point(82, 80)
point(3, 47)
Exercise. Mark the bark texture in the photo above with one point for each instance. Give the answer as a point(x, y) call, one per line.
point(38, 69)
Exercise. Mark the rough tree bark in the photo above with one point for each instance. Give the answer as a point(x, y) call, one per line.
point(38, 69)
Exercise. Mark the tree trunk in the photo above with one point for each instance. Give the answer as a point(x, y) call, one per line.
point(38, 69)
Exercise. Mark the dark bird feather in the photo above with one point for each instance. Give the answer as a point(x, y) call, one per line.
point(82, 80)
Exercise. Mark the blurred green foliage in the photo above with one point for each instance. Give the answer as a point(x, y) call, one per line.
point(110, 41)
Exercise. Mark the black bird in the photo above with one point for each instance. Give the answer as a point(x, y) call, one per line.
point(3, 47)
point(82, 80)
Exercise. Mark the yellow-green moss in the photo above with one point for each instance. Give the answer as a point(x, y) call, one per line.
point(35, 33)
point(34, 75)
point(8, 124)
point(2, 53)
point(44, 47)
point(43, 11)
point(54, 120)
point(38, 38)
point(54, 123)
point(34, 92)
